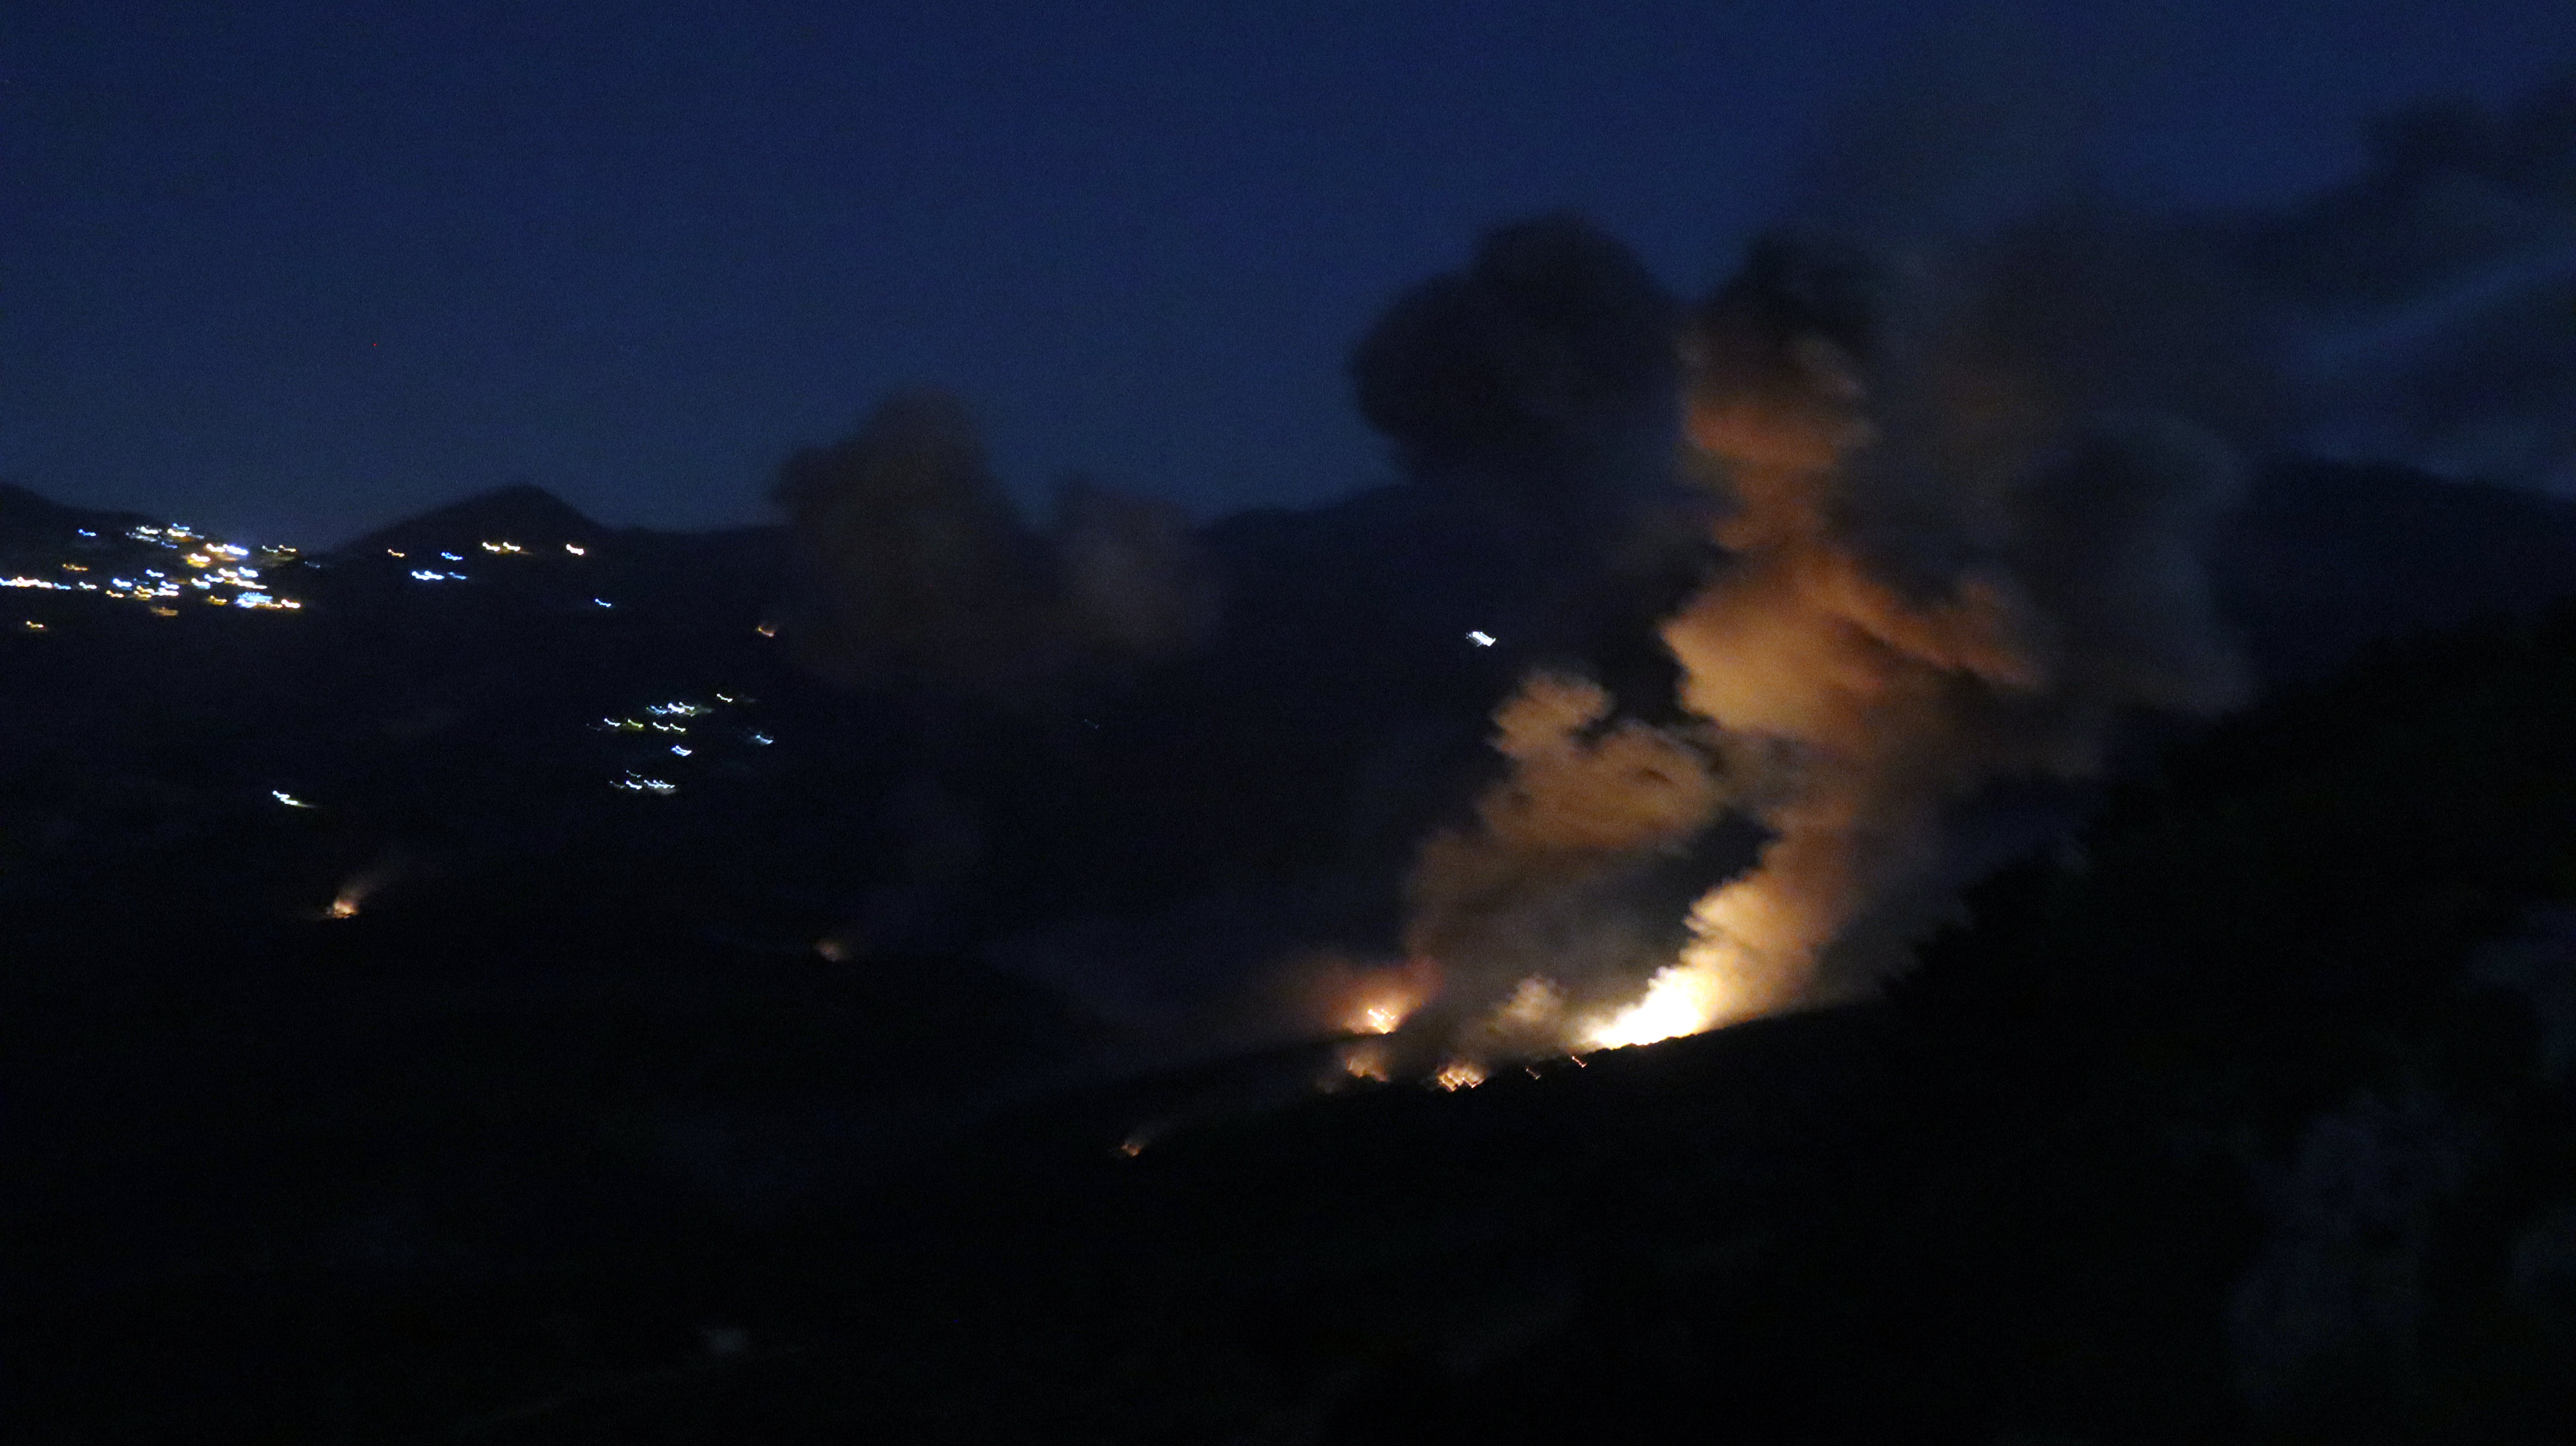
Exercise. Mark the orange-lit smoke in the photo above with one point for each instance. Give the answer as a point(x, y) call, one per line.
point(353, 895)
point(1956, 553)
point(1530, 913)
point(1377, 1001)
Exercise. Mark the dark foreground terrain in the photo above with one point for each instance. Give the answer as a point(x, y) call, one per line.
point(739, 1113)
point(2252, 1118)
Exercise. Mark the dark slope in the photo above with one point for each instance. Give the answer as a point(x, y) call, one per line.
point(575, 1085)
point(2057, 1189)
point(1338, 713)
point(520, 512)
point(27, 518)
point(2323, 560)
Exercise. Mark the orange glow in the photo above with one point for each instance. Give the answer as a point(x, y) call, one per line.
point(1743, 960)
point(1379, 1001)
point(354, 894)
point(1366, 1060)
point(1679, 1000)
point(1459, 1074)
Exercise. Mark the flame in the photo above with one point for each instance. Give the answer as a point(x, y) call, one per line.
point(1459, 1074)
point(1681, 999)
point(1367, 1060)
point(1719, 978)
point(353, 895)
point(1379, 1001)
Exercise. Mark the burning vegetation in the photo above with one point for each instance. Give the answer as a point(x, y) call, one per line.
point(1958, 540)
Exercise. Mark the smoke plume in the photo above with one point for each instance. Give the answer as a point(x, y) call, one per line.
point(1541, 372)
point(1553, 882)
point(2435, 289)
point(911, 569)
point(1959, 545)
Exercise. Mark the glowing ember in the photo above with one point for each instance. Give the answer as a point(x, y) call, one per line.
point(1459, 1074)
point(344, 907)
point(1366, 1060)
point(1379, 1001)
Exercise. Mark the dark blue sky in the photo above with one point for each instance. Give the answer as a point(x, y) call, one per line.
point(292, 269)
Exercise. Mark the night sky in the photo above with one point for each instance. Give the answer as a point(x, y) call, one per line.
point(293, 269)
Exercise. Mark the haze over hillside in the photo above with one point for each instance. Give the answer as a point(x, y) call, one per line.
point(1889, 851)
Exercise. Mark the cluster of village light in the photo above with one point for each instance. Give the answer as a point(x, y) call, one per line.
point(502, 548)
point(431, 574)
point(673, 718)
point(216, 573)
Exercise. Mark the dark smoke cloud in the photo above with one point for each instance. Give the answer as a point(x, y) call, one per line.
point(2418, 312)
point(1966, 542)
point(1919, 498)
point(2478, 382)
point(910, 562)
point(2436, 291)
point(1530, 397)
point(1960, 425)
point(1962, 515)
point(911, 569)
point(1133, 580)
point(1542, 370)
point(2449, 188)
